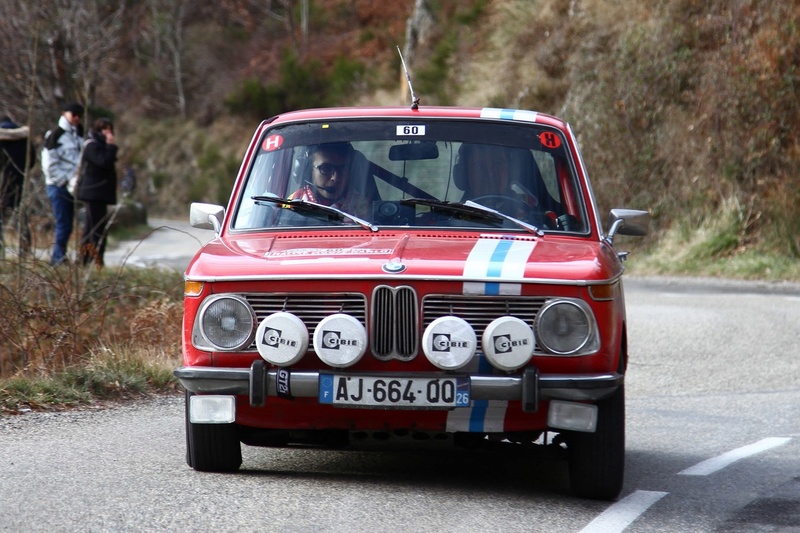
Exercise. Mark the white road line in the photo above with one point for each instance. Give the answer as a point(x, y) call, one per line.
point(620, 515)
point(721, 461)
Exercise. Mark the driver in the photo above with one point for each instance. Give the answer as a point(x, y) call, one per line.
point(486, 170)
point(329, 182)
point(484, 173)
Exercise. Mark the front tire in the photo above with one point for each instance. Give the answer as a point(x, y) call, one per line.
point(597, 460)
point(212, 447)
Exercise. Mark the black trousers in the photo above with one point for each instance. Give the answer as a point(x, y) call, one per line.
point(93, 240)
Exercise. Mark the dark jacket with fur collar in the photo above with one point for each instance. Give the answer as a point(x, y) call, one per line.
point(98, 181)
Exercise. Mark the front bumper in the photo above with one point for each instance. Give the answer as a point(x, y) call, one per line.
point(258, 383)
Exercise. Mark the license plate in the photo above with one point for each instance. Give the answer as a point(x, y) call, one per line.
point(393, 391)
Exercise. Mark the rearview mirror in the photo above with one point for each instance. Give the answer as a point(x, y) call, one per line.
point(414, 151)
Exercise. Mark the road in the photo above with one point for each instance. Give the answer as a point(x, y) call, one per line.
point(170, 244)
point(713, 445)
point(714, 368)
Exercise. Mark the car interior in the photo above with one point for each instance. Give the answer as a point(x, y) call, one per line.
point(402, 182)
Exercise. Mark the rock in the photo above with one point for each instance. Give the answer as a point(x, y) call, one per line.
point(128, 213)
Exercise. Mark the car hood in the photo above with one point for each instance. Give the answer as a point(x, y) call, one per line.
point(333, 255)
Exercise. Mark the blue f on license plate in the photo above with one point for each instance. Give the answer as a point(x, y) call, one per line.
point(392, 391)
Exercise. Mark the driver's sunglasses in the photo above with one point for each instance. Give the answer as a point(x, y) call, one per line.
point(327, 169)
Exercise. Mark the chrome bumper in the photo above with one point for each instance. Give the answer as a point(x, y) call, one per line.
point(258, 383)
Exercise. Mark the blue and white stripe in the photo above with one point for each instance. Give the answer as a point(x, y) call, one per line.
point(501, 263)
point(497, 260)
point(509, 114)
point(482, 415)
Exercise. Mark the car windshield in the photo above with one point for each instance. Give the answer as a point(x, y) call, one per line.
point(377, 173)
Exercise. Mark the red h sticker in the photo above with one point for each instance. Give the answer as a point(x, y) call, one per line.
point(549, 140)
point(273, 142)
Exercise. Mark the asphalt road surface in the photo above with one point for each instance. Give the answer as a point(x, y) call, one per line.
point(713, 445)
point(170, 244)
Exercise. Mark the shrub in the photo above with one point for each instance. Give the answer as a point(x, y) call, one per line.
point(253, 99)
point(300, 85)
point(56, 316)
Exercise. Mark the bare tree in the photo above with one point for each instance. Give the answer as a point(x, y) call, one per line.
point(282, 11)
point(21, 56)
point(50, 53)
point(56, 51)
point(93, 30)
point(175, 46)
point(161, 47)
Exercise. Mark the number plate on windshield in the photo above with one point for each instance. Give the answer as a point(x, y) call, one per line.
point(392, 391)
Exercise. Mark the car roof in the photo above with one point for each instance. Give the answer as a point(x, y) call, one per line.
point(422, 112)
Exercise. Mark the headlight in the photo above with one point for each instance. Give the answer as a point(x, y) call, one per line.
point(566, 327)
point(340, 340)
point(227, 322)
point(507, 343)
point(282, 339)
point(449, 342)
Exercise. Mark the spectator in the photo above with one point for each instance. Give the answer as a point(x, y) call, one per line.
point(128, 184)
point(60, 157)
point(14, 162)
point(97, 188)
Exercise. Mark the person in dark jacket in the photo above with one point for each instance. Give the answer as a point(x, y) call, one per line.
point(97, 188)
point(15, 161)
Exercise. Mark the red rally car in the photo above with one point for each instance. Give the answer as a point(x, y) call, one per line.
point(429, 271)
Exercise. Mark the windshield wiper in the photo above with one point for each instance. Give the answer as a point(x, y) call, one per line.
point(530, 227)
point(472, 209)
point(300, 206)
point(453, 207)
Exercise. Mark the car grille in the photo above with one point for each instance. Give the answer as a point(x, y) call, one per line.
point(395, 315)
point(311, 308)
point(480, 311)
point(394, 323)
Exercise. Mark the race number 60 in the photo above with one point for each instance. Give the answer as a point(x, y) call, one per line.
point(408, 130)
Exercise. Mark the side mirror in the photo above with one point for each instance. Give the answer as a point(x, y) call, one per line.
point(628, 222)
point(206, 216)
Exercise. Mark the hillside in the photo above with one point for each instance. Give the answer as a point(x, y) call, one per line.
point(687, 108)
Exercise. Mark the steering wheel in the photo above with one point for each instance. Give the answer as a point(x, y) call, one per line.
point(513, 207)
point(504, 204)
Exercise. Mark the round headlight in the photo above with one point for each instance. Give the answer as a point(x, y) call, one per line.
point(449, 342)
point(564, 327)
point(340, 340)
point(227, 322)
point(282, 339)
point(507, 343)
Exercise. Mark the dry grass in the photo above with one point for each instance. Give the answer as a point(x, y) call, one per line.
point(56, 317)
point(79, 336)
point(107, 374)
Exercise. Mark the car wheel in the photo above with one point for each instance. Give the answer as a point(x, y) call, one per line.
point(597, 460)
point(212, 447)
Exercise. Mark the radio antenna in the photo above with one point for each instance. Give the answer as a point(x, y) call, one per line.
point(414, 99)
